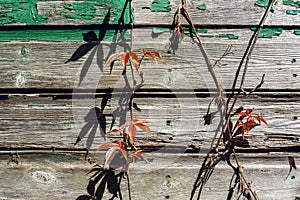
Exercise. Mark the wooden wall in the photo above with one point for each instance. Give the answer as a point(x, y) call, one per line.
point(46, 94)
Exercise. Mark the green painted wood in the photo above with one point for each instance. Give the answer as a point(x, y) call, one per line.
point(35, 12)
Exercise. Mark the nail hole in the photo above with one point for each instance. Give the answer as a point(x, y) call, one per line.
point(170, 138)
point(167, 197)
point(294, 75)
point(168, 122)
point(295, 118)
point(168, 176)
point(293, 60)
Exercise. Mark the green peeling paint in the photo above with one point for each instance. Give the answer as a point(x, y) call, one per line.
point(269, 32)
point(20, 11)
point(292, 12)
point(159, 6)
point(88, 12)
point(262, 3)
point(81, 10)
point(297, 31)
point(50, 35)
point(36, 105)
point(158, 30)
point(291, 3)
point(229, 36)
point(187, 31)
point(201, 7)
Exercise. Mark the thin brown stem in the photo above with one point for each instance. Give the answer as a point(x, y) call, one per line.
point(247, 55)
point(204, 53)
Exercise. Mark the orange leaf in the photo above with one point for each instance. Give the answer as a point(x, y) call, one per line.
point(124, 59)
point(110, 155)
point(140, 121)
point(106, 145)
point(132, 133)
point(260, 118)
point(152, 54)
point(139, 154)
point(249, 125)
point(135, 57)
point(144, 128)
point(123, 151)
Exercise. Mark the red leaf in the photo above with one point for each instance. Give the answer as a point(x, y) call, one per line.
point(260, 118)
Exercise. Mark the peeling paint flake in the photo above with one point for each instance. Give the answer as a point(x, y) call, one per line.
point(20, 11)
point(228, 35)
point(262, 3)
point(202, 7)
point(269, 32)
point(292, 12)
point(291, 3)
point(159, 6)
point(297, 31)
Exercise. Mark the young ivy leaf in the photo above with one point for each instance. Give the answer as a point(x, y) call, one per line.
point(152, 54)
point(124, 57)
point(114, 146)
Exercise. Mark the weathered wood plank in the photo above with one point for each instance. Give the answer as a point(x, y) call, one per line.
point(63, 176)
point(35, 12)
point(93, 12)
point(41, 65)
point(217, 12)
point(45, 123)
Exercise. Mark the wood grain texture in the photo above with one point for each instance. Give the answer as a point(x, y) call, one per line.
point(43, 64)
point(63, 176)
point(218, 13)
point(92, 12)
point(30, 122)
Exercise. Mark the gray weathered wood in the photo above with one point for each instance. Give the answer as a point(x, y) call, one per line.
point(218, 13)
point(62, 176)
point(31, 121)
point(43, 66)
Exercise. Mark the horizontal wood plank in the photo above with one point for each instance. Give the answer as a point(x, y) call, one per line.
point(216, 12)
point(209, 12)
point(63, 176)
point(31, 122)
point(41, 64)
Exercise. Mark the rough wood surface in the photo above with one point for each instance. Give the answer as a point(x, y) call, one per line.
point(63, 176)
point(30, 121)
point(45, 103)
point(92, 12)
point(218, 13)
point(43, 64)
